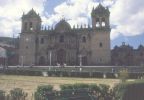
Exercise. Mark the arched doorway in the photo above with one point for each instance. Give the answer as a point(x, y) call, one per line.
point(84, 60)
point(61, 56)
point(42, 60)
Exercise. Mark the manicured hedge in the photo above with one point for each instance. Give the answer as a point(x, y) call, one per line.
point(110, 75)
point(136, 75)
point(75, 74)
point(56, 73)
point(75, 92)
point(97, 74)
point(22, 72)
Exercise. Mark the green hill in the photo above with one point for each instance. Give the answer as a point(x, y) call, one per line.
point(9, 41)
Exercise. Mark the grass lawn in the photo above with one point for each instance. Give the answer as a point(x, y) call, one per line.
point(29, 83)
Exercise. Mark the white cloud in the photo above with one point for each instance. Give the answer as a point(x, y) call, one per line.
point(8, 27)
point(11, 12)
point(74, 11)
point(51, 19)
point(128, 15)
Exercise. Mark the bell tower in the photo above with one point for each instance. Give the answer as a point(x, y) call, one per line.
point(31, 25)
point(100, 41)
point(31, 22)
point(100, 17)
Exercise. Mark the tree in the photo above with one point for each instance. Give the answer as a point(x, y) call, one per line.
point(17, 94)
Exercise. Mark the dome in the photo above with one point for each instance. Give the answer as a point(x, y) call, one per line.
point(62, 26)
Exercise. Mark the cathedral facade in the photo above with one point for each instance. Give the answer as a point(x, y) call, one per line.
point(84, 45)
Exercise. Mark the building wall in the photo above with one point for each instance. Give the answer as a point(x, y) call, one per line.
point(27, 49)
point(126, 55)
point(100, 45)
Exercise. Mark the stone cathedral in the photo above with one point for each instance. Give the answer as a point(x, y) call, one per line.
point(88, 45)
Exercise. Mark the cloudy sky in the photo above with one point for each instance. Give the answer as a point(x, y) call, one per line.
point(127, 16)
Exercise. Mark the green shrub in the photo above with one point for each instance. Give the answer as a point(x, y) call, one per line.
point(74, 86)
point(84, 74)
point(94, 87)
point(66, 87)
point(98, 74)
point(65, 73)
point(110, 75)
point(75, 91)
point(2, 95)
point(22, 72)
point(104, 89)
point(43, 92)
point(17, 94)
point(135, 75)
point(123, 75)
point(74, 74)
point(101, 91)
point(80, 86)
point(95, 90)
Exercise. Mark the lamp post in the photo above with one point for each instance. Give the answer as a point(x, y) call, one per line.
point(80, 59)
point(50, 55)
point(22, 61)
point(5, 62)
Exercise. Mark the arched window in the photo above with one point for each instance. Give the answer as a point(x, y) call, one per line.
point(61, 39)
point(103, 22)
point(97, 22)
point(84, 39)
point(30, 26)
